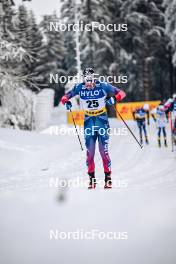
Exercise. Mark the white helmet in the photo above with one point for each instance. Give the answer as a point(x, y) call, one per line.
point(146, 107)
point(174, 96)
point(88, 75)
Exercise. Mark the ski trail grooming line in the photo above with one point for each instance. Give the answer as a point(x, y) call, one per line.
point(141, 146)
point(76, 131)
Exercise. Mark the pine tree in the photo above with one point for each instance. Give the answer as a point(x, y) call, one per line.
point(6, 19)
point(170, 19)
point(51, 57)
point(114, 8)
point(68, 9)
point(97, 45)
point(22, 34)
point(146, 42)
point(29, 38)
point(34, 43)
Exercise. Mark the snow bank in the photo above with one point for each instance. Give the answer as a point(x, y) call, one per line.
point(17, 107)
point(44, 107)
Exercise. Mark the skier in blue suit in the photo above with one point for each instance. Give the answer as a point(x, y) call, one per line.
point(140, 115)
point(93, 98)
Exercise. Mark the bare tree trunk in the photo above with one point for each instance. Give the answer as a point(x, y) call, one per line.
point(89, 13)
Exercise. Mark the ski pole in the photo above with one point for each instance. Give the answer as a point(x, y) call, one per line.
point(141, 146)
point(76, 130)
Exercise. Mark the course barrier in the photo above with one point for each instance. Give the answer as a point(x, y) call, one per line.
point(125, 109)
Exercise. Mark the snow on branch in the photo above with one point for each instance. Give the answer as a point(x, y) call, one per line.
point(10, 51)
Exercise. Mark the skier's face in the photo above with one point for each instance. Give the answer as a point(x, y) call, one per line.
point(89, 81)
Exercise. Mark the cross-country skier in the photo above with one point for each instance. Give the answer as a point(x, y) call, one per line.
point(93, 96)
point(170, 106)
point(159, 116)
point(140, 115)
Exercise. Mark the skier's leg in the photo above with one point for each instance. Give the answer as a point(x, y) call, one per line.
point(164, 132)
point(159, 132)
point(175, 123)
point(103, 148)
point(90, 141)
point(165, 136)
point(140, 131)
point(145, 132)
point(159, 136)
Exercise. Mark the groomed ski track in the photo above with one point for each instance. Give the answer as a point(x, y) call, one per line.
point(144, 208)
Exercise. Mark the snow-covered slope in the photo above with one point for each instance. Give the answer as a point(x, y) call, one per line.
point(143, 202)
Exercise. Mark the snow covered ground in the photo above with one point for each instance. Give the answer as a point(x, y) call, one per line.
point(142, 204)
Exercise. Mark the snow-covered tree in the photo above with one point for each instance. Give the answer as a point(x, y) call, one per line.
point(30, 38)
point(15, 99)
point(114, 10)
point(171, 25)
point(51, 56)
point(170, 19)
point(97, 45)
point(146, 42)
point(68, 9)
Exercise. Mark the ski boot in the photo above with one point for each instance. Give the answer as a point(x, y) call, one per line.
point(108, 181)
point(165, 142)
point(159, 142)
point(146, 140)
point(92, 180)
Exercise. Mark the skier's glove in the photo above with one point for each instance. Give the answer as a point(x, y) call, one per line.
point(68, 105)
point(110, 101)
point(64, 99)
point(121, 94)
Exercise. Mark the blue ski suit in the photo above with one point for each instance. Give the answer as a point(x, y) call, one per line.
point(93, 102)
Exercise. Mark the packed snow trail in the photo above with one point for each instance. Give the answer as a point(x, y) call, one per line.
point(145, 207)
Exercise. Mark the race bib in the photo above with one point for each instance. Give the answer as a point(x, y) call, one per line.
point(93, 104)
point(93, 99)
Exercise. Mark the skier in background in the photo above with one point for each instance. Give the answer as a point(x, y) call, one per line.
point(93, 98)
point(170, 106)
point(159, 116)
point(140, 115)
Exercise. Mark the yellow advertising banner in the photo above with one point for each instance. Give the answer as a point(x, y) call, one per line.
point(78, 117)
point(125, 109)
